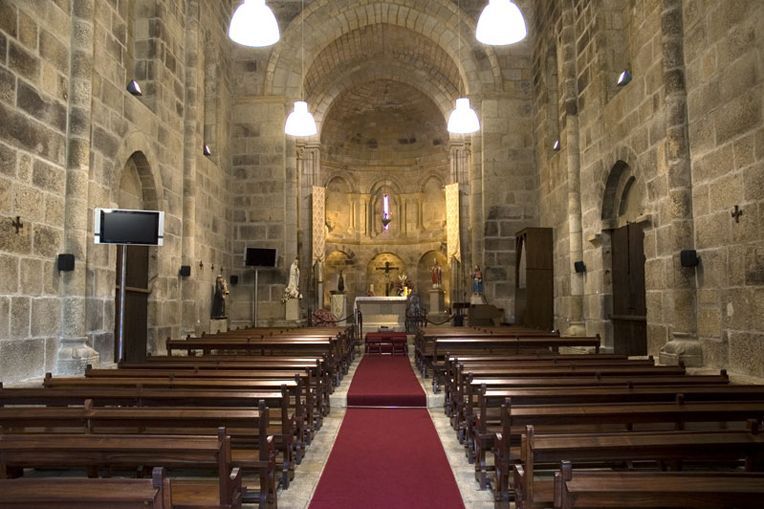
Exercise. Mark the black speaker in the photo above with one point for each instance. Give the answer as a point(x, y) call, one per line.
point(66, 262)
point(579, 266)
point(234, 280)
point(689, 258)
point(185, 270)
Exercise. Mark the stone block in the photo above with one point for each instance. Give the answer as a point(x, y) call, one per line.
point(51, 112)
point(19, 243)
point(46, 317)
point(31, 135)
point(738, 116)
point(715, 352)
point(8, 18)
point(23, 62)
point(47, 240)
point(754, 266)
point(709, 322)
point(746, 353)
point(27, 31)
point(7, 85)
point(31, 276)
point(6, 194)
point(7, 160)
point(54, 210)
point(21, 360)
point(48, 177)
point(5, 317)
point(9, 268)
point(20, 312)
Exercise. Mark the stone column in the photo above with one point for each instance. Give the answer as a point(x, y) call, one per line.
point(575, 311)
point(308, 175)
point(680, 282)
point(74, 353)
point(192, 146)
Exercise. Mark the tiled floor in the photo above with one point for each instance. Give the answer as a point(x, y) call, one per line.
point(308, 473)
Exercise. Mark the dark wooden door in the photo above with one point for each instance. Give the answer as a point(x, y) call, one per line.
point(629, 307)
point(136, 302)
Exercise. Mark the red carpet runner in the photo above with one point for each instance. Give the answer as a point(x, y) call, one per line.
point(387, 458)
point(383, 380)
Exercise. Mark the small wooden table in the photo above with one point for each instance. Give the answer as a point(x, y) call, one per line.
point(397, 341)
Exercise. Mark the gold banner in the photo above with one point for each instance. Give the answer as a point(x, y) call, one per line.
point(319, 223)
point(452, 222)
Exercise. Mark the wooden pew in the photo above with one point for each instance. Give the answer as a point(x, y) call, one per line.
point(713, 448)
point(249, 428)
point(604, 417)
point(298, 398)
point(685, 490)
point(95, 452)
point(75, 493)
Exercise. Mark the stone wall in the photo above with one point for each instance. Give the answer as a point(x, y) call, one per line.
point(70, 129)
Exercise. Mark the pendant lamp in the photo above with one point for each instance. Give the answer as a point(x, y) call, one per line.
point(300, 122)
point(501, 23)
point(253, 24)
point(463, 120)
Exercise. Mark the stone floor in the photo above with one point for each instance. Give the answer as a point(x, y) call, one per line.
point(308, 473)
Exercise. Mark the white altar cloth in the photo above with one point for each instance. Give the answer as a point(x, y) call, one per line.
point(380, 312)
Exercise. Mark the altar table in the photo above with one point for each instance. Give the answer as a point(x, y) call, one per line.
point(382, 313)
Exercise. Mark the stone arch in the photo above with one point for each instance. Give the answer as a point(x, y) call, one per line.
point(339, 206)
point(623, 196)
point(424, 275)
point(336, 17)
point(377, 277)
point(137, 147)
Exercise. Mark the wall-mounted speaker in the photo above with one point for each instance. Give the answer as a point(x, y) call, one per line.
point(579, 266)
point(66, 262)
point(234, 280)
point(185, 271)
point(689, 258)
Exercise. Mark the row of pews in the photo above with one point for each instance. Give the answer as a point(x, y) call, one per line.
point(572, 430)
point(224, 424)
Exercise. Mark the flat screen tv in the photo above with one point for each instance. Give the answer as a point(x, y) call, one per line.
point(127, 226)
point(260, 257)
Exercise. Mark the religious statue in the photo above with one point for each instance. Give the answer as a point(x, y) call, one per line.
point(218, 300)
point(477, 281)
point(292, 290)
point(437, 275)
point(370, 293)
point(340, 283)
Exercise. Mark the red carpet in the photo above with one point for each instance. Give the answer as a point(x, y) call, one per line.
point(385, 380)
point(387, 458)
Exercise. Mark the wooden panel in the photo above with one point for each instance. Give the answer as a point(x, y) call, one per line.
point(136, 302)
point(534, 305)
point(629, 305)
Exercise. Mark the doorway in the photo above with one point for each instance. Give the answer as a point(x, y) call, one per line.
point(629, 304)
point(136, 303)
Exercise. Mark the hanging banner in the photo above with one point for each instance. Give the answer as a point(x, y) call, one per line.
point(319, 223)
point(454, 243)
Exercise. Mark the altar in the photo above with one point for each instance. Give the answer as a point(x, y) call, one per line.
point(381, 312)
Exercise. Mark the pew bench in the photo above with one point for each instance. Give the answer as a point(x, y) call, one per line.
point(543, 453)
point(675, 490)
point(76, 493)
point(118, 452)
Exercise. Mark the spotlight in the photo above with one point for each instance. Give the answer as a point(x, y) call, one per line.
point(134, 88)
point(624, 78)
point(206, 150)
point(556, 145)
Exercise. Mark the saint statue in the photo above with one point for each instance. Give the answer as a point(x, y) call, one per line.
point(340, 283)
point(292, 291)
point(437, 275)
point(218, 300)
point(477, 281)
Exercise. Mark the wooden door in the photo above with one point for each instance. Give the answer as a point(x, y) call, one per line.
point(136, 302)
point(629, 307)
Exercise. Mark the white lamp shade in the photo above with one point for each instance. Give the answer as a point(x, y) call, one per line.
point(501, 23)
point(253, 24)
point(463, 120)
point(300, 122)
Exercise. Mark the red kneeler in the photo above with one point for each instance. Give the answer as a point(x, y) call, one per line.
point(396, 341)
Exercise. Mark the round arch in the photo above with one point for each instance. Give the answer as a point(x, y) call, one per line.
point(137, 146)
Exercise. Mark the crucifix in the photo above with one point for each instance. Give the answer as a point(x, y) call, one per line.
point(17, 224)
point(387, 268)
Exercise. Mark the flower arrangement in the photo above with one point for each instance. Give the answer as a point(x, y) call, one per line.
point(403, 285)
point(290, 293)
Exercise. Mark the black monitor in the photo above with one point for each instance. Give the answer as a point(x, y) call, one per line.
point(260, 257)
point(126, 226)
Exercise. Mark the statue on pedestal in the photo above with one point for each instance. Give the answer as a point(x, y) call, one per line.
point(477, 281)
point(292, 290)
point(340, 283)
point(218, 300)
point(437, 275)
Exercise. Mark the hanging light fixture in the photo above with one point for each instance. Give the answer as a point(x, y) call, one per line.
point(463, 120)
point(501, 23)
point(300, 122)
point(253, 24)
